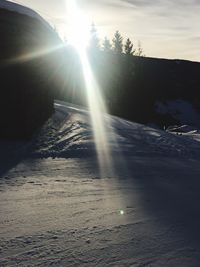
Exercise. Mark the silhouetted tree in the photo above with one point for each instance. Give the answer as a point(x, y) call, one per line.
point(94, 40)
point(139, 51)
point(128, 47)
point(106, 46)
point(117, 43)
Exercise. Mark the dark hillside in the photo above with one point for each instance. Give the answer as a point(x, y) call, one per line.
point(149, 90)
point(172, 84)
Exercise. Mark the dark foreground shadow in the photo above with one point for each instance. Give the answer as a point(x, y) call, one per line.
point(11, 153)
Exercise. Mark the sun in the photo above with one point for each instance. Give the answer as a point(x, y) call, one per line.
point(79, 26)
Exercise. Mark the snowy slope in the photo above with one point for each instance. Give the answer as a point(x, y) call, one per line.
point(12, 6)
point(55, 210)
point(70, 133)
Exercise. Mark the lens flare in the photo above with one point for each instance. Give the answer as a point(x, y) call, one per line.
point(121, 212)
point(79, 37)
point(33, 54)
point(97, 113)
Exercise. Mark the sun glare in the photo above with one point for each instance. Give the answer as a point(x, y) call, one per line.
point(79, 26)
point(79, 38)
point(33, 55)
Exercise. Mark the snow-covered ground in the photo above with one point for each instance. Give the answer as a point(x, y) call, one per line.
point(56, 209)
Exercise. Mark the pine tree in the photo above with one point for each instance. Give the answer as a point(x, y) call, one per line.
point(128, 48)
point(139, 51)
point(94, 40)
point(118, 43)
point(106, 46)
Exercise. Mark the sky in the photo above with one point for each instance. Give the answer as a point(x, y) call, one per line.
point(166, 28)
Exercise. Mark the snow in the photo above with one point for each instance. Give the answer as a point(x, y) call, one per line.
point(15, 7)
point(181, 110)
point(56, 210)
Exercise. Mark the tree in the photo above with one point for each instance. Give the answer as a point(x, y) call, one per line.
point(94, 40)
point(106, 46)
point(139, 51)
point(118, 43)
point(128, 48)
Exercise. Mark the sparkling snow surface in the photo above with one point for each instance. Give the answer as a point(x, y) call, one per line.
point(56, 210)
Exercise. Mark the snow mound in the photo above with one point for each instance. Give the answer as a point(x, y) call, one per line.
point(69, 134)
point(12, 6)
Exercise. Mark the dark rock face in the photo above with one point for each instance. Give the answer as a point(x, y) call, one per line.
point(30, 54)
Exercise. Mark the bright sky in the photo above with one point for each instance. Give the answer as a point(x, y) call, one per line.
point(166, 28)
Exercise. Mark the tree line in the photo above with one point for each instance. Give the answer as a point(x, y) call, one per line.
point(116, 45)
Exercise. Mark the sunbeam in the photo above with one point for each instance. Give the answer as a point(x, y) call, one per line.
point(33, 55)
point(97, 112)
point(80, 38)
